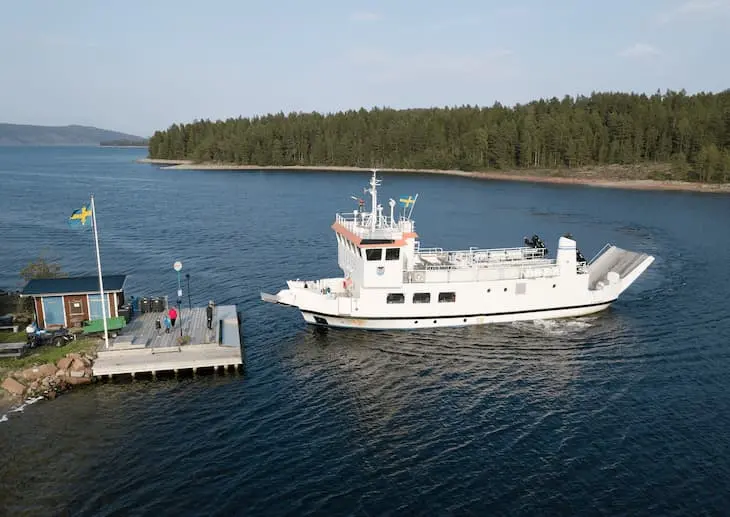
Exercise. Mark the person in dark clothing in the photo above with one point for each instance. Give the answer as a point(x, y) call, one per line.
point(209, 314)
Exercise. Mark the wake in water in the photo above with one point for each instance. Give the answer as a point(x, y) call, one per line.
point(20, 408)
point(559, 327)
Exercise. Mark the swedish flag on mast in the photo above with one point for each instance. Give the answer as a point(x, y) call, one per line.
point(81, 218)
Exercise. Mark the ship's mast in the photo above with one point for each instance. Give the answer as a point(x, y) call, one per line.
point(374, 182)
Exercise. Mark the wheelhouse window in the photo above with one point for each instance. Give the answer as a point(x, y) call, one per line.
point(392, 253)
point(421, 297)
point(447, 297)
point(396, 298)
point(374, 253)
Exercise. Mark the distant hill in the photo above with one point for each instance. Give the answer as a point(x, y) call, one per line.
point(125, 143)
point(20, 134)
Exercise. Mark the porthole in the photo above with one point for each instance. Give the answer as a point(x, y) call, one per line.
point(434, 321)
point(553, 286)
point(489, 290)
point(505, 289)
point(416, 322)
point(464, 320)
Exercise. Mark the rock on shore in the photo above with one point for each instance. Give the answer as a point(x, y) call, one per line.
point(49, 380)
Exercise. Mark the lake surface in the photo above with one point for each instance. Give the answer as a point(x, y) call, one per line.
point(624, 413)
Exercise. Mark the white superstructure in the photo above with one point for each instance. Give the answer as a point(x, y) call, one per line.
point(390, 282)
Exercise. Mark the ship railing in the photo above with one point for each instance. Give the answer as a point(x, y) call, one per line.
point(608, 245)
point(531, 263)
point(479, 256)
point(361, 224)
point(428, 251)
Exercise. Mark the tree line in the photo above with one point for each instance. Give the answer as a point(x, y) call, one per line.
point(692, 132)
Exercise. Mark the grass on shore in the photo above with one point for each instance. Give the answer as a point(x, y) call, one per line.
point(45, 354)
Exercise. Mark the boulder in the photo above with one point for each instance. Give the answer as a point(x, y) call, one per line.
point(13, 387)
point(74, 355)
point(64, 363)
point(78, 380)
point(61, 373)
point(48, 369)
point(77, 365)
point(38, 372)
point(88, 372)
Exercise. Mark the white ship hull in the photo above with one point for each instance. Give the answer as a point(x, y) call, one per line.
point(391, 282)
point(433, 321)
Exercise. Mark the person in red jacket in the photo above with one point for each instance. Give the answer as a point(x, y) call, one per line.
point(173, 315)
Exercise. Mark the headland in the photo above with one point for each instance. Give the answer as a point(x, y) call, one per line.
point(607, 176)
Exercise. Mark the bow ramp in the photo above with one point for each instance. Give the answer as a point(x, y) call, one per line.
point(616, 264)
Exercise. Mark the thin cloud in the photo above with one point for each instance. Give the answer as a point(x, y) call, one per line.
point(695, 9)
point(365, 16)
point(640, 51)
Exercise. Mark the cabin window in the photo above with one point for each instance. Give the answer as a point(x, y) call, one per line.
point(396, 298)
point(392, 253)
point(374, 253)
point(421, 297)
point(447, 297)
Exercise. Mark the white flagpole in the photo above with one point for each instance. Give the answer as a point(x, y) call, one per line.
point(413, 206)
point(98, 265)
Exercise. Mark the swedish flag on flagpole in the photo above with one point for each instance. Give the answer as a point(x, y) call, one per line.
point(81, 218)
point(405, 202)
point(85, 217)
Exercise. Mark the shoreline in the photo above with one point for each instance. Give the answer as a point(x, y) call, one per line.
point(586, 179)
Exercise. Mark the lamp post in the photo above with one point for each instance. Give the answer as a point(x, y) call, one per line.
point(190, 305)
point(177, 266)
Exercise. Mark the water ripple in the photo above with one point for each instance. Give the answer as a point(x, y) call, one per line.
point(624, 412)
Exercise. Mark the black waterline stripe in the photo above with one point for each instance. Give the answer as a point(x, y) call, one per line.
point(352, 317)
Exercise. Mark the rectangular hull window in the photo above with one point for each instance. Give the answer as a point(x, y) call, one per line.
point(447, 297)
point(396, 298)
point(422, 298)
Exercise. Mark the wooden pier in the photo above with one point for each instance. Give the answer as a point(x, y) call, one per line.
point(142, 348)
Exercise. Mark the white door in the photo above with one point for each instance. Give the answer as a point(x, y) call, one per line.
point(344, 305)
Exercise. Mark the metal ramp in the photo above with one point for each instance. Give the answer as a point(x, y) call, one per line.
point(627, 264)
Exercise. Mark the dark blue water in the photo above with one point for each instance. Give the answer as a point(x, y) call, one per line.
point(624, 413)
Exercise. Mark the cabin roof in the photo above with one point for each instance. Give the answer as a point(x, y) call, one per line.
point(73, 285)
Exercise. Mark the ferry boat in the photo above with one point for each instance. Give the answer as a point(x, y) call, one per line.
point(390, 282)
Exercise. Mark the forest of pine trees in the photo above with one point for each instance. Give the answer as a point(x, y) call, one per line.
point(690, 132)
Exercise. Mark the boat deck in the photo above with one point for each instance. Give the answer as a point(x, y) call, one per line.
point(143, 348)
point(438, 258)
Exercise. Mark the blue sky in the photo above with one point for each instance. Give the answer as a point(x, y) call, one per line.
point(141, 65)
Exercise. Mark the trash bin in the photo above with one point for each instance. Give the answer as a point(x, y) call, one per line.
point(157, 305)
point(124, 311)
point(144, 305)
